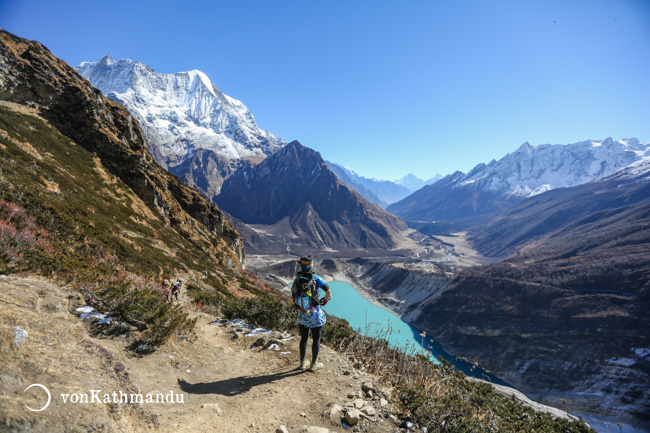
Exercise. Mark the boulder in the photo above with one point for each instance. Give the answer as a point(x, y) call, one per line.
point(352, 417)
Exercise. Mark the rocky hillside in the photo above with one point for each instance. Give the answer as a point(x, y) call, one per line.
point(78, 166)
point(293, 195)
point(566, 319)
point(193, 129)
point(528, 171)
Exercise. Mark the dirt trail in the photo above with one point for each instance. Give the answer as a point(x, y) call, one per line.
point(226, 386)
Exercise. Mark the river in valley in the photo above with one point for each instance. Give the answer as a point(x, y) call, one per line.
point(375, 321)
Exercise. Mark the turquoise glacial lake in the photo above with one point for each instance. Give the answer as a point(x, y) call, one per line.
point(372, 320)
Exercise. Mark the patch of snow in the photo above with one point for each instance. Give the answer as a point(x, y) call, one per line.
point(273, 347)
point(625, 362)
point(257, 331)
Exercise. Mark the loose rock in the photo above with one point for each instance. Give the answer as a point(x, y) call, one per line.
point(333, 413)
point(214, 406)
point(281, 429)
point(367, 386)
point(369, 410)
point(352, 416)
point(20, 335)
point(314, 430)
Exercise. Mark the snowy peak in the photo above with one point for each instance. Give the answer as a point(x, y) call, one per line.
point(531, 170)
point(182, 112)
point(410, 181)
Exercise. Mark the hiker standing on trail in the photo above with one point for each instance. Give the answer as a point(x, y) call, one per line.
point(176, 290)
point(306, 291)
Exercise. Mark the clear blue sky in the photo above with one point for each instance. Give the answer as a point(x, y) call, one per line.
point(385, 87)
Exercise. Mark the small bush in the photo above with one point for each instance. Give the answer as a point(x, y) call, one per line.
point(264, 311)
point(146, 310)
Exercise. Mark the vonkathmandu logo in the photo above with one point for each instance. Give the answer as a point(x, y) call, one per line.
point(49, 397)
point(115, 397)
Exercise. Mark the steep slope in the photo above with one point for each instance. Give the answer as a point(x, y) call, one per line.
point(297, 196)
point(79, 164)
point(568, 318)
point(193, 129)
point(524, 173)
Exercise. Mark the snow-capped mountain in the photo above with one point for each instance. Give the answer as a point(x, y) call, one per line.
point(414, 183)
point(528, 171)
point(531, 170)
point(189, 123)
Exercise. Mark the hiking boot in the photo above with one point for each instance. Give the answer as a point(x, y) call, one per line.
point(317, 366)
point(305, 365)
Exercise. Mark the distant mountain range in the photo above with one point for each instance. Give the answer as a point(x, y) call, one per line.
point(380, 192)
point(524, 173)
point(193, 129)
point(293, 195)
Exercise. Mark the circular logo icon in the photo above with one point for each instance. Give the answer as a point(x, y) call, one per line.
point(47, 391)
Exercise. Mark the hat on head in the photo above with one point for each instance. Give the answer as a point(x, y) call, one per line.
point(306, 263)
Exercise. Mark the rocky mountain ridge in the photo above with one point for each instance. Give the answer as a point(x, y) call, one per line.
point(295, 196)
point(528, 171)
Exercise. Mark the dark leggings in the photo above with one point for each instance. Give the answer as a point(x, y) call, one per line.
point(315, 346)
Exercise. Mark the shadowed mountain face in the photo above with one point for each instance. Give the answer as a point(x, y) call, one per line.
point(105, 143)
point(294, 194)
point(567, 318)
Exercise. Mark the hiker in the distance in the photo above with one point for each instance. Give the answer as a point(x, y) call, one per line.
point(176, 290)
point(307, 290)
point(165, 289)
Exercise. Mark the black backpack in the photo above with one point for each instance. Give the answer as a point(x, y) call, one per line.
point(304, 291)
